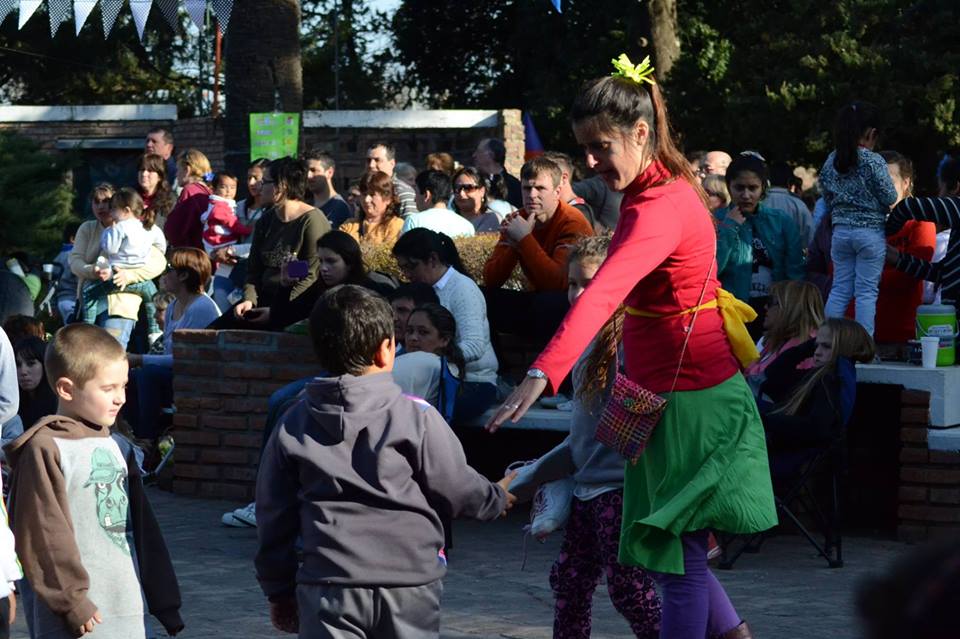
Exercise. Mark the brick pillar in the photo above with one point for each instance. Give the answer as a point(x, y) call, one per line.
point(929, 494)
point(222, 381)
point(512, 134)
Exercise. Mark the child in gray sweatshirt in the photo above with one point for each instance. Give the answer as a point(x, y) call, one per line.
point(359, 471)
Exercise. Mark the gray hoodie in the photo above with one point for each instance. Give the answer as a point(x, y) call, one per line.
point(360, 471)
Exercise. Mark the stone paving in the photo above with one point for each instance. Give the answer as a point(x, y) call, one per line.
point(785, 591)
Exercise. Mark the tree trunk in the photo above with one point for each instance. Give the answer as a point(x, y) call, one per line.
point(663, 29)
point(263, 71)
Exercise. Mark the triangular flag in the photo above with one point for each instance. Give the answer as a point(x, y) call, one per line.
point(59, 11)
point(6, 8)
point(223, 8)
point(556, 5)
point(27, 8)
point(81, 11)
point(170, 11)
point(198, 12)
point(141, 11)
point(109, 10)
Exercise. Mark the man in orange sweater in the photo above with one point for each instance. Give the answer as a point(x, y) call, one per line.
point(539, 235)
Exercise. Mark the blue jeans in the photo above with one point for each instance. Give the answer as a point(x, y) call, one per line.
point(154, 385)
point(119, 327)
point(858, 256)
point(222, 287)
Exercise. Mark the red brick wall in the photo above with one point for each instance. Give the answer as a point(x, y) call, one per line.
point(222, 381)
point(929, 495)
point(46, 134)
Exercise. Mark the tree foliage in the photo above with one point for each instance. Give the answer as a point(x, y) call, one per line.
point(774, 82)
point(362, 70)
point(86, 69)
point(37, 200)
point(513, 53)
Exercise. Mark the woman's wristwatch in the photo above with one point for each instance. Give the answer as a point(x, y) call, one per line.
point(536, 373)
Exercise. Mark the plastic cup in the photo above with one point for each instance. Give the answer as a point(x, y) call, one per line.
point(48, 271)
point(930, 347)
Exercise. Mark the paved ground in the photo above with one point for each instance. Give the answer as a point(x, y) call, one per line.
point(785, 591)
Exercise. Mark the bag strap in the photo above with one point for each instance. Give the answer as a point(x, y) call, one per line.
point(693, 320)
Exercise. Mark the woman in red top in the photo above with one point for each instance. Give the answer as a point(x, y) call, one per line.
point(705, 465)
point(183, 227)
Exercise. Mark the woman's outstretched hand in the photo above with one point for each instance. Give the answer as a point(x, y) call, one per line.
point(520, 400)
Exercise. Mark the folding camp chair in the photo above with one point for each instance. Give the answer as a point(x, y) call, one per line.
point(795, 474)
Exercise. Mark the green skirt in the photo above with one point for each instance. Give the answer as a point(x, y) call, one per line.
point(705, 466)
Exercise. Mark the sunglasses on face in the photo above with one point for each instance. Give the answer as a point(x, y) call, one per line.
point(469, 188)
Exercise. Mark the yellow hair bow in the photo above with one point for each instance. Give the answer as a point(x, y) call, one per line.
point(639, 73)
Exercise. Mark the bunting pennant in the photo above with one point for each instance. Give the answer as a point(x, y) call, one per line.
point(109, 10)
point(81, 11)
point(59, 12)
point(6, 8)
point(170, 11)
point(141, 11)
point(27, 9)
point(556, 5)
point(198, 12)
point(223, 8)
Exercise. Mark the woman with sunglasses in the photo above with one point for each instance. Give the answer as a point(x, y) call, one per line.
point(186, 278)
point(470, 200)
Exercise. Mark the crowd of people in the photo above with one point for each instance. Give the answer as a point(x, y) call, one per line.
point(724, 287)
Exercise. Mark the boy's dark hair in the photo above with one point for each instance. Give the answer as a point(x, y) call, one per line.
point(70, 232)
point(221, 175)
point(419, 292)
point(347, 325)
point(437, 183)
point(780, 174)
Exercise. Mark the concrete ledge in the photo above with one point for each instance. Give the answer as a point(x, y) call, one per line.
point(943, 384)
point(943, 439)
point(535, 419)
point(100, 112)
point(409, 119)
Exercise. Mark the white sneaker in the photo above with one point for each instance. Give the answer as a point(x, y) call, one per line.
point(241, 517)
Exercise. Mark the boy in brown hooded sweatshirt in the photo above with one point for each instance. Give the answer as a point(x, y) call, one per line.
point(90, 546)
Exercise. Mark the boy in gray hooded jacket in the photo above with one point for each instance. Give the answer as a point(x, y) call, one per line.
point(359, 471)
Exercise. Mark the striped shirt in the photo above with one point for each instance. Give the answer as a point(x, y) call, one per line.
point(407, 197)
point(945, 212)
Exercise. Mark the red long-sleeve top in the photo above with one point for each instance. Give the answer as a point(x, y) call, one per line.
point(662, 249)
point(542, 254)
point(183, 226)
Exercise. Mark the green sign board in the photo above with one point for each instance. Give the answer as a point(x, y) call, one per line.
point(273, 135)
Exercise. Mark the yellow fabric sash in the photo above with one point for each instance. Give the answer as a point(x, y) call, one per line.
point(735, 314)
